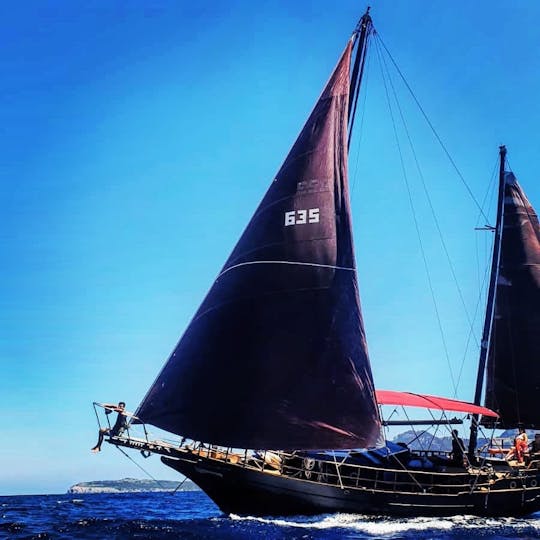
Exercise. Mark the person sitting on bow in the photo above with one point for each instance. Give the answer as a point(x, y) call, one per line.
point(119, 426)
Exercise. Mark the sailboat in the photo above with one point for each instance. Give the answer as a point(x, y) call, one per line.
point(271, 388)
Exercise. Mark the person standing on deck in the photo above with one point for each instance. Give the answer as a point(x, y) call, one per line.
point(458, 449)
point(119, 426)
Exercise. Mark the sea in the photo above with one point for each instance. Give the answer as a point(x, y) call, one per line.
point(191, 515)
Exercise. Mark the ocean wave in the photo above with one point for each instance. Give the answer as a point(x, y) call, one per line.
point(383, 526)
point(70, 501)
point(191, 516)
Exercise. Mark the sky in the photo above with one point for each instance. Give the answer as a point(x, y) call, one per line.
point(137, 139)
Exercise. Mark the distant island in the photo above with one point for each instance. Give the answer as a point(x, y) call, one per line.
point(131, 485)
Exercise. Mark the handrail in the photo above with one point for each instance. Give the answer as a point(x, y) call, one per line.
point(387, 477)
point(350, 475)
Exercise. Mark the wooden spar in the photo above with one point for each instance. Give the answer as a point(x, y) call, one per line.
point(361, 32)
point(428, 422)
point(484, 345)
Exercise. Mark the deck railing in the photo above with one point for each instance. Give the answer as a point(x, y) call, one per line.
point(398, 475)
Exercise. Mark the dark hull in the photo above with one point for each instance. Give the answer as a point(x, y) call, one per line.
point(241, 490)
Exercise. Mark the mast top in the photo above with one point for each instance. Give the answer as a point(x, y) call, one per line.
point(502, 171)
point(363, 22)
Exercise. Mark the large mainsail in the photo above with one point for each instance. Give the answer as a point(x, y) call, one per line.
point(513, 369)
point(276, 355)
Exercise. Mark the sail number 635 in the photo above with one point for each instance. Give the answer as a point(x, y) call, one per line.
point(301, 217)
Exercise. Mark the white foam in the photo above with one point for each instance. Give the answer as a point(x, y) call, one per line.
point(377, 525)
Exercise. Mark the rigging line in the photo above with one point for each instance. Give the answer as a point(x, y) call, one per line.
point(416, 435)
point(337, 469)
point(407, 470)
point(431, 125)
point(482, 279)
point(360, 131)
point(507, 161)
point(141, 467)
point(471, 330)
point(97, 416)
point(179, 486)
point(487, 196)
point(430, 202)
point(368, 30)
point(411, 203)
point(489, 188)
point(435, 431)
point(484, 435)
point(286, 262)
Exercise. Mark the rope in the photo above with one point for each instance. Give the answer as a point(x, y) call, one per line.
point(408, 471)
point(369, 30)
point(96, 413)
point(417, 227)
point(430, 203)
point(179, 486)
point(437, 427)
point(360, 130)
point(471, 330)
point(379, 39)
point(337, 469)
point(142, 468)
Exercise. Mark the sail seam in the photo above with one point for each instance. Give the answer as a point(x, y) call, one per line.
point(287, 262)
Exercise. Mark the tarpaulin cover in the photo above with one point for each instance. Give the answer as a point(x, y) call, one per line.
point(409, 399)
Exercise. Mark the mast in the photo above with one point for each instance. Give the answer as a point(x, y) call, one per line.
point(484, 346)
point(360, 34)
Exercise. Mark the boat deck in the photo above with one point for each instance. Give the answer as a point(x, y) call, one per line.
point(415, 471)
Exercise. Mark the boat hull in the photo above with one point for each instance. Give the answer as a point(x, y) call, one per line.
point(245, 491)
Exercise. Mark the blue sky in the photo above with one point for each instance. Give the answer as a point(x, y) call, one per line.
point(137, 139)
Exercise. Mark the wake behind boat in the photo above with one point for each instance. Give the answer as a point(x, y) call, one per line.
point(276, 357)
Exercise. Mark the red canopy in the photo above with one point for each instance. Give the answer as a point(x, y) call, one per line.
point(409, 399)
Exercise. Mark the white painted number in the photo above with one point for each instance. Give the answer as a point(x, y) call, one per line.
point(289, 218)
point(301, 217)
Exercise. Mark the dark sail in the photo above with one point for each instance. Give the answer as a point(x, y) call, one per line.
point(513, 371)
point(276, 355)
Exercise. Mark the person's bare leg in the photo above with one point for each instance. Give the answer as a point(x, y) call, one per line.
point(97, 448)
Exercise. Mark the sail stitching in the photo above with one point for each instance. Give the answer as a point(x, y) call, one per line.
point(287, 262)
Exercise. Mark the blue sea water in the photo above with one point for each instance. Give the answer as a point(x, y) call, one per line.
point(191, 515)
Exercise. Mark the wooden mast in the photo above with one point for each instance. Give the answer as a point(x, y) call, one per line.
point(361, 33)
point(484, 345)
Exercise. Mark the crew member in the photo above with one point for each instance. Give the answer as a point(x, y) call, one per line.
point(458, 449)
point(521, 444)
point(119, 426)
